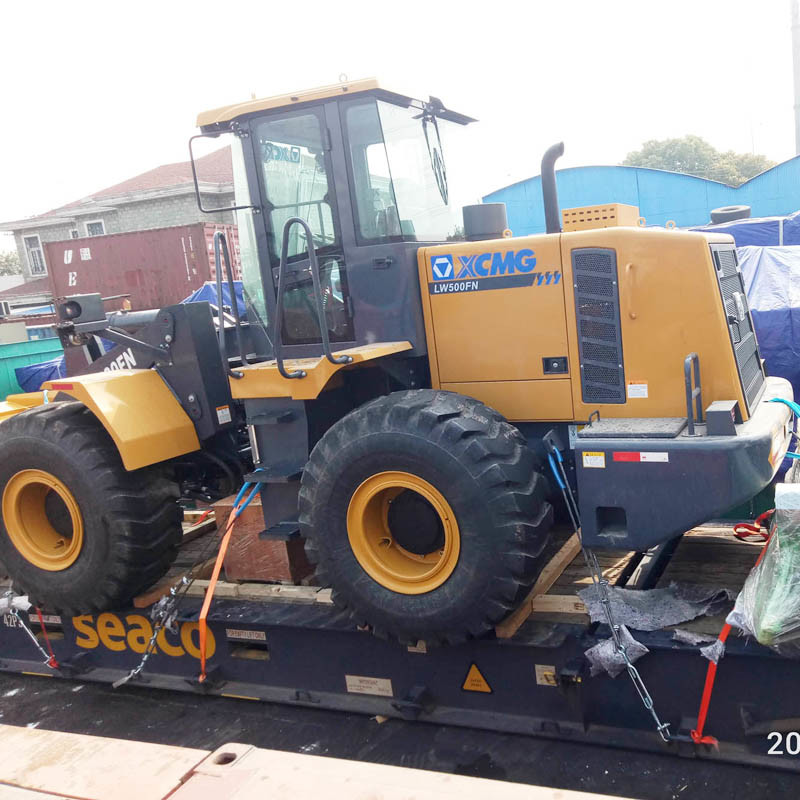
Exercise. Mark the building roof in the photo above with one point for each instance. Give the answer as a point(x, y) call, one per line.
point(660, 195)
point(10, 281)
point(36, 287)
point(215, 168)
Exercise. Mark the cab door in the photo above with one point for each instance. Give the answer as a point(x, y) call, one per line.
point(293, 155)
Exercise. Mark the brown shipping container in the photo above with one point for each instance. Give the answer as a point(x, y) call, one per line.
point(156, 268)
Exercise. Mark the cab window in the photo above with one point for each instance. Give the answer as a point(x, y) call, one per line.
point(296, 182)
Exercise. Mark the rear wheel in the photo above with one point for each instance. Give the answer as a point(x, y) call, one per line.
point(425, 512)
point(79, 533)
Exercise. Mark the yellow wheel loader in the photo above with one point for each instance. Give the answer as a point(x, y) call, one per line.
point(390, 381)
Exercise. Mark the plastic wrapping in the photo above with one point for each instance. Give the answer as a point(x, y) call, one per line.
point(768, 607)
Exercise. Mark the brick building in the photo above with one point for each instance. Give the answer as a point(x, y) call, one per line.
point(160, 198)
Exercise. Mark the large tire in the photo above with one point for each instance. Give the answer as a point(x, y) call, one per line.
point(466, 459)
point(729, 214)
point(128, 523)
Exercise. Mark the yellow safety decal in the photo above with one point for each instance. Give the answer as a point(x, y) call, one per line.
point(596, 460)
point(475, 682)
point(545, 675)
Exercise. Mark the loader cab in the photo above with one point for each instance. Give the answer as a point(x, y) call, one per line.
point(365, 169)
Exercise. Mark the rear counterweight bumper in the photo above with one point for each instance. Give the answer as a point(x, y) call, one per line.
point(635, 493)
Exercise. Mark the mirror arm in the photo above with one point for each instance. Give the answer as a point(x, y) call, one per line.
point(197, 184)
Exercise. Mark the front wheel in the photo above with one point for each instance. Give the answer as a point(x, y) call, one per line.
point(426, 514)
point(79, 533)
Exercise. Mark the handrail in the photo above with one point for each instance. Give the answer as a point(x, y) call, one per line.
point(693, 392)
point(220, 242)
point(323, 327)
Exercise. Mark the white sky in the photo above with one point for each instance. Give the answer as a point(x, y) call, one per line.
point(96, 92)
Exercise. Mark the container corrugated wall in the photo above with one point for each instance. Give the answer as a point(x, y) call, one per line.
point(155, 268)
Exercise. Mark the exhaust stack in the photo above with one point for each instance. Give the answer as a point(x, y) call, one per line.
point(552, 216)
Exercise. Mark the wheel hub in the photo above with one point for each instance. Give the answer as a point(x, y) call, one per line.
point(403, 532)
point(414, 523)
point(42, 519)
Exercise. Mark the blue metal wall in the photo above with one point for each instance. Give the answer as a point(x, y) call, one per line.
point(660, 195)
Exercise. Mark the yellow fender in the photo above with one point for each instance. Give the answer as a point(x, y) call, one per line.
point(135, 406)
point(15, 403)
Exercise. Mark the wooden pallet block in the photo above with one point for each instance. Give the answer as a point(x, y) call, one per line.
point(708, 555)
point(194, 530)
point(41, 764)
point(547, 577)
point(92, 767)
point(200, 572)
point(193, 515)
point(242, 772)
point(250, 558)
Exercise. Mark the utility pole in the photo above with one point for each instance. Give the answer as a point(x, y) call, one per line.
point(795, 7)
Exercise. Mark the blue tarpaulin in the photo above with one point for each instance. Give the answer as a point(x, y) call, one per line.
point(760, 232)
point(772, 282)
point(31, 378)
point(208, 292)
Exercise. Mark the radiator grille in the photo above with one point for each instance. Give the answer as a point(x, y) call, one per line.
point(743, 338)
point(599, 339)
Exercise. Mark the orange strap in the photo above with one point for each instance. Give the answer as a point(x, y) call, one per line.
point(711, 673)
point(212, 584)
point(204, 515)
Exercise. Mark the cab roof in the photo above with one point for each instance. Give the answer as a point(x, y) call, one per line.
point(220, 117)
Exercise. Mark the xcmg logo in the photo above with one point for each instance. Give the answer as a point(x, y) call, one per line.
point(513, 268)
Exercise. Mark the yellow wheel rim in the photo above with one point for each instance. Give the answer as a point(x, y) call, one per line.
point(26, 501)
point(379, 549)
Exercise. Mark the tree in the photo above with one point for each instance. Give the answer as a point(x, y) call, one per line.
point(9, 263)
point(693, 155)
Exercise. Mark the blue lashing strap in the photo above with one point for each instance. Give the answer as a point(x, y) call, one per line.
point(795, 409)
point(245, 487)
point(555, 471)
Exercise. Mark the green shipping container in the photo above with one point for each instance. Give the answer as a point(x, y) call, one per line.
point(20, 354)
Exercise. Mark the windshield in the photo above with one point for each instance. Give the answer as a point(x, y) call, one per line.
point(399, 179)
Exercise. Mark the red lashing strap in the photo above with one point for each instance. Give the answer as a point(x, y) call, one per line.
point(705, 702)
point(51, 662)
point(711, 673)
point(744, 530)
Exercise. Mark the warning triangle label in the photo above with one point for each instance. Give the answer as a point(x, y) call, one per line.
point(475, 682)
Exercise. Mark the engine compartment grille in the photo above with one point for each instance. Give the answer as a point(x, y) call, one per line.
point(599, 333)
point(740, 326)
